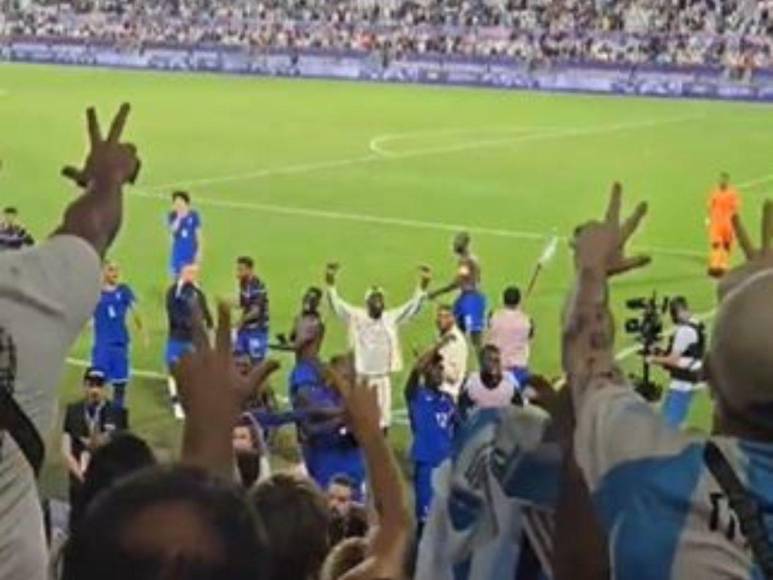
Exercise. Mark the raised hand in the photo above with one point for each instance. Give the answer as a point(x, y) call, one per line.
point(757, 258)
point(213, 393)
point(331, 270)
point(602, 244)
point(109, 162)
point(209, 376)
point(425, 276)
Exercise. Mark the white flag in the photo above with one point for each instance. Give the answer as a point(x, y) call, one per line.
point(550, 251)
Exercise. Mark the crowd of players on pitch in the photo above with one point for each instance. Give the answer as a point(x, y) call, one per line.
point(513, 475)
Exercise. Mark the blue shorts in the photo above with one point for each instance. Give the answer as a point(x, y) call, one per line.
point(253, 342)
point(422, 487)
point(178, 262)
point(113, 360)
point(324, 463)
point(470, 311)
point(175, 349)
point(676, 407)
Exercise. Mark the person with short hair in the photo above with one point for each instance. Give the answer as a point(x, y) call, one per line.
point(162, 523)
point(511, 330)
point(675, 505)
point(252, 330)
point(110, 351)
point(250, 451)
point(327, 446)
point(122, 455)
point(470, 304)
point(373, 333)
point(433, 417)
point(348, 518)
point(724, 205)
point(185, 228)
point(296, 518)
point(491, 387)
point(345, 556)
point(683, 361)
point(310, 304)
point(13, 235)
point(454, 351)
point(88, 424)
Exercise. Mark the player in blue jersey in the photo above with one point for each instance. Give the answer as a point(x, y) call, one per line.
point(252, 332)
point(433, 417)
point(328, 448)
point(470, 305)
point(185, 227)
point(110, 352)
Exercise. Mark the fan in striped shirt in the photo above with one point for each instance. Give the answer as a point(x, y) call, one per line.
point(13, 236)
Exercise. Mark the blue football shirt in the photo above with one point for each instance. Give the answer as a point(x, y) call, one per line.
point(253, 295)
point(433, 421)
point(110, 316)
point(185, 243)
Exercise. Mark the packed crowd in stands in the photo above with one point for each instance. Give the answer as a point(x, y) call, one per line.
point(504, 462)
point(727, 33)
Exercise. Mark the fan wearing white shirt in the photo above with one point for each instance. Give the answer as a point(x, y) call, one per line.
point(373, 334)
point(454, 351)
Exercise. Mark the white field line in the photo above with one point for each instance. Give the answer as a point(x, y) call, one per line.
point(761, 180)
point(376, 144)
point(394, 222)
point(374, 157)
point(260, 173)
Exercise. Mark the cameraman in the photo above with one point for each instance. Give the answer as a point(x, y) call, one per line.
point(683, 361)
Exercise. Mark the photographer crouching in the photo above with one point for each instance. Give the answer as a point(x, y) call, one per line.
point(683, 361)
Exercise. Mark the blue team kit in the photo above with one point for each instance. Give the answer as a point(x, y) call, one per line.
point(185, 245)
point(110, 352)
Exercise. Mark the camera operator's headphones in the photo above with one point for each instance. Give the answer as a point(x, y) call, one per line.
point(13, 420)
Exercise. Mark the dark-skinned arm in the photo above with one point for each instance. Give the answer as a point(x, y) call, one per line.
point(96, 215)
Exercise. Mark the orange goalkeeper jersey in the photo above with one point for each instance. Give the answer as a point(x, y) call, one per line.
point(723, 205)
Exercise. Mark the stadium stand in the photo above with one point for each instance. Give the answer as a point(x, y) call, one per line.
point(734, 34)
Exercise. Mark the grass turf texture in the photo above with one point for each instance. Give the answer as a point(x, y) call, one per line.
point(501, 161)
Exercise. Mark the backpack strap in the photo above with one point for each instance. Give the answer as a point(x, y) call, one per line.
point(744, 505)
point(12, 419)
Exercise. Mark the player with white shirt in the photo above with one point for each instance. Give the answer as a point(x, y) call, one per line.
point(374, 334)
point(454, 351)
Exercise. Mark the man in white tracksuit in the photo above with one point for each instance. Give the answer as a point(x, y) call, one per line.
point(374, 337)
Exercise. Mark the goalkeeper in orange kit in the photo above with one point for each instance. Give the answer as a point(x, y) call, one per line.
point(723, 206)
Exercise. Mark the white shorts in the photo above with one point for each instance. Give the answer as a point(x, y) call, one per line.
point(47, 294)
point(383, 385)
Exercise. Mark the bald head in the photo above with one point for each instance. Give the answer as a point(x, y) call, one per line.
point(741, 354)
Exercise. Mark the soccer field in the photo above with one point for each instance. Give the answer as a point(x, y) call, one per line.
point(297, 173)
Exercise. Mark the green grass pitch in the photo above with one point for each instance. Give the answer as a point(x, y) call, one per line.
point(297, 173)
